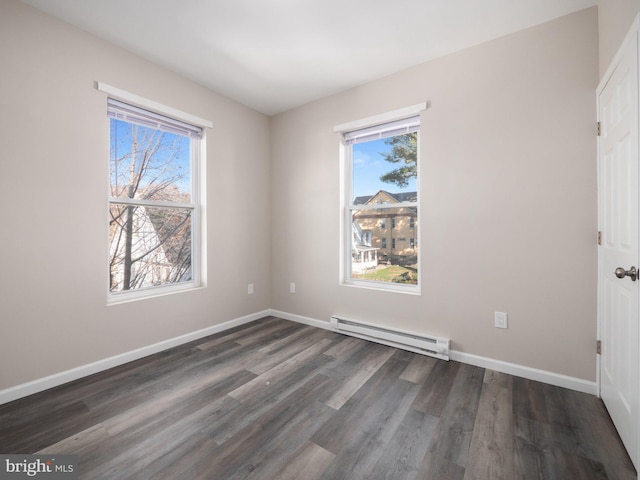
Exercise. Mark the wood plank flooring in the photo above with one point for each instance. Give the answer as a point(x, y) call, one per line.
point(277, 400)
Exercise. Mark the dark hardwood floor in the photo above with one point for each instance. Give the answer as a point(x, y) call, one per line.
point(278, 400)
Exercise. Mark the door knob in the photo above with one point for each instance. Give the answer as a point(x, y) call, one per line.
point(632, 273)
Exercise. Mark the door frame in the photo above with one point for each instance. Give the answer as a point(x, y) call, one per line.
point(632, 35)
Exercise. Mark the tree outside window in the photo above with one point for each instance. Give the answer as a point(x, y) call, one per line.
point(152, 201)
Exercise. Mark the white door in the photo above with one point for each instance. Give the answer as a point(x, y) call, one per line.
point(618, 212)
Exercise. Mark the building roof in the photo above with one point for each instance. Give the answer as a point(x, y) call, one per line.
point(399, 197)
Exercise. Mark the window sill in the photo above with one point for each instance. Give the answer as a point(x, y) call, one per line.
point(391, 288)
point(153, 292)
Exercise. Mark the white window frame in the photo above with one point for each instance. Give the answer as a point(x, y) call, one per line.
point(197, 165)
point(346, 200)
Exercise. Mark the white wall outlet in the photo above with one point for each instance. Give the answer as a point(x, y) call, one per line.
point(501, 320)
point(292, 287)
point(250, 289)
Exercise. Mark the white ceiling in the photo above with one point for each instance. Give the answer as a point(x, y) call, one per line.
point(273, 55)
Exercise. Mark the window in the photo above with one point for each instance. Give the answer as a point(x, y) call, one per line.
point(412, 243)
point(381, 181)
point(154, 202)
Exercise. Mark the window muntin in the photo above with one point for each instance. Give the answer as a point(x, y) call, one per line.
point(153, 201)
point(382, 190)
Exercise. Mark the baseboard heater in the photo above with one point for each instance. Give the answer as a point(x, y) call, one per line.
point(432, 346)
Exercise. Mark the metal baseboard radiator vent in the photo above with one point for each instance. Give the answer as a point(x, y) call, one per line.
point(433, 346)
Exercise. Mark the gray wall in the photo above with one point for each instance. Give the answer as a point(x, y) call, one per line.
point(614, 20)
point(508, 200)
point(508, 206)
point(53, 177)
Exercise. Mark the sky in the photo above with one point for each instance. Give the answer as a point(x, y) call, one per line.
point(171, 161)
point(369, 165)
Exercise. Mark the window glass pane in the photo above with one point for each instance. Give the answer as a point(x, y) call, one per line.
point(384, 255)
point(383, 240)
point(388, 164)
point(150, 164)
point(148, 246)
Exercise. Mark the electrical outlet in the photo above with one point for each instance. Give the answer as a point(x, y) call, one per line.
point(292, 287)
point(501, 320)
point(250, 289)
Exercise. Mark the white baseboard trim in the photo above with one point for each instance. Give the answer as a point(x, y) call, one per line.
point(35, 386)
point(543, 376)
point(300, 319)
